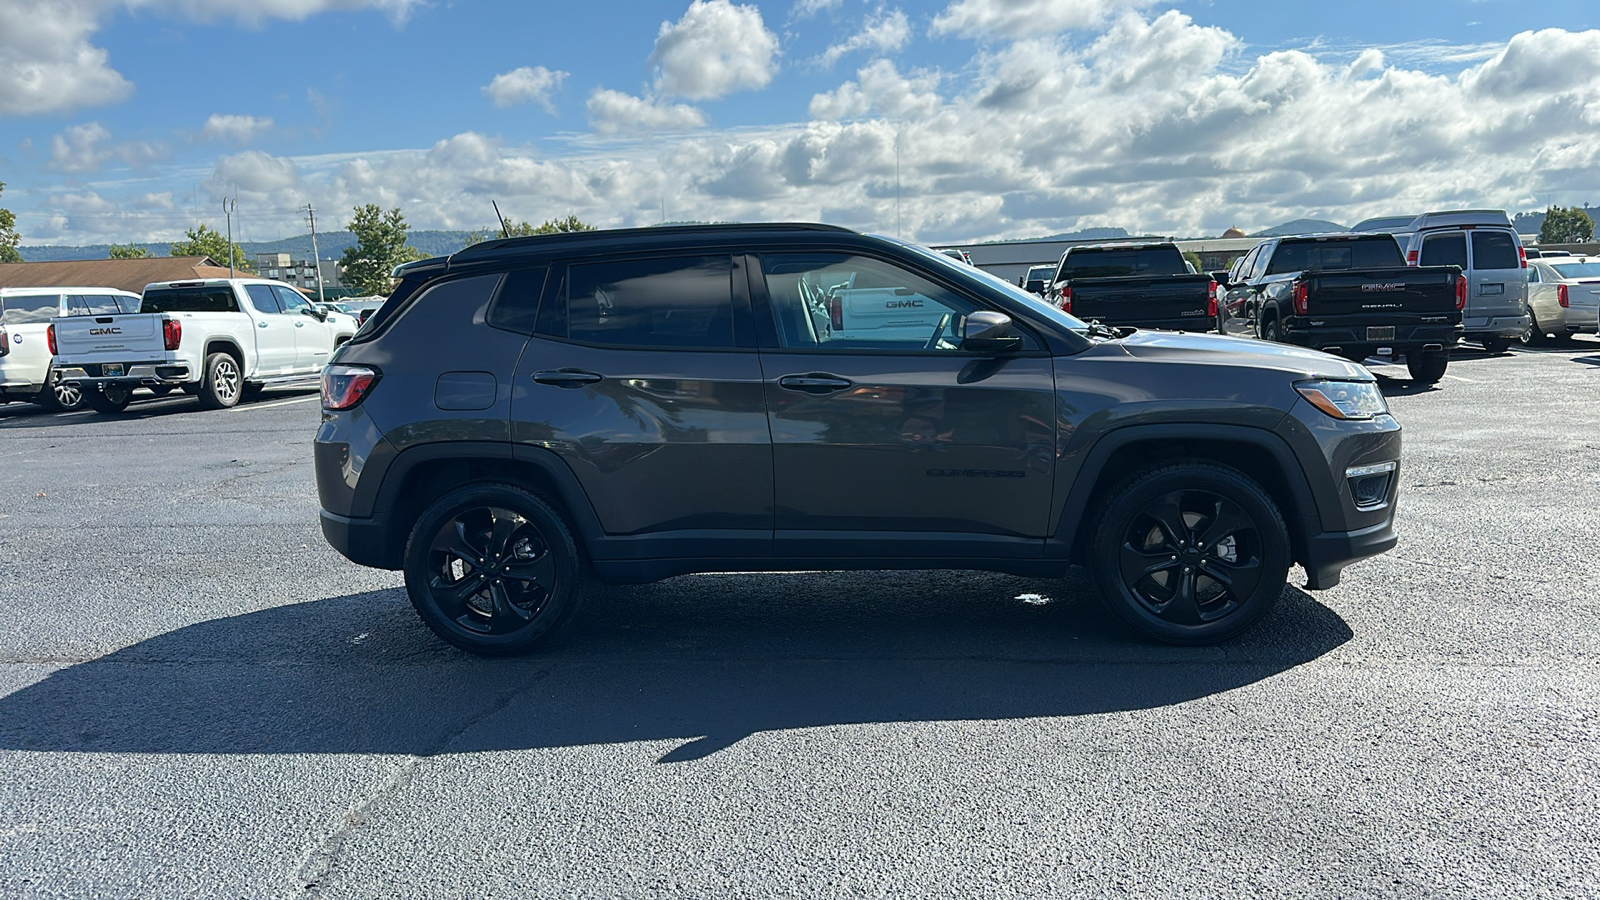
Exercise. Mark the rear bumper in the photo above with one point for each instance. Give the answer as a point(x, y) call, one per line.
point(361, 540)
point(1497, 326)
point(139, 373)
point(1347, 339)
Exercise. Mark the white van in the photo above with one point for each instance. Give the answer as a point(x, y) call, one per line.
point(1486, 247)
point(27, 370)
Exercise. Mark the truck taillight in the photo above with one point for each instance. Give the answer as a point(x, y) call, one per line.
point(1411, 257)
point(836, 312)
point(1561, 296)
point(171, 333)
point(1461, 292)
point(1302, 298)
point(5, 342)
point(50, 338)
point(1522, 256)
point(345, 386)
point(1066, 299)
point(1211, 301)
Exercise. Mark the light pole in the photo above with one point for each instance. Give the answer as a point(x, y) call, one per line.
point(316, 259)
point(228, 206)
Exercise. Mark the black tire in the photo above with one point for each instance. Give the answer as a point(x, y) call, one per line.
point(1496, 344)
point(109, 398)
point(1427, 367)
point(59, 397)
point(221, 387)
point(492, 569)
point(1150, 560)
point(1533, 335)
point(1269, 330)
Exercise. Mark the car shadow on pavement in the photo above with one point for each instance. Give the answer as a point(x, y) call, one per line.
point(144, 406)
point(699, 663)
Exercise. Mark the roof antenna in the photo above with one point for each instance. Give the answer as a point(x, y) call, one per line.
point(505, 230)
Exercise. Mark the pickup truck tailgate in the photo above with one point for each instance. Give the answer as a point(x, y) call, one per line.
point(91, 339)
point(1170, 300)
point(1372, 292)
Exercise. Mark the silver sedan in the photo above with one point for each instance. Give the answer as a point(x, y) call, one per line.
point(1563, 296)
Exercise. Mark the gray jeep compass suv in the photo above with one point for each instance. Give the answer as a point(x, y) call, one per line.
point(631, 405)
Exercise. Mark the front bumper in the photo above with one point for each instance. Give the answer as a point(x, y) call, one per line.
point(1328, 553)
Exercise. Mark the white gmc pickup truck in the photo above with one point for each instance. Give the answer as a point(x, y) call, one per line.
point(220, 339)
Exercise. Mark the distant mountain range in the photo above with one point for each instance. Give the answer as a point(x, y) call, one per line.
point(1301, 226)
point(330, 245)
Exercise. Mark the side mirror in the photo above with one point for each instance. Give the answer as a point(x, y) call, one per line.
point(1221, 278)
point(314, 313)
point(989, 332)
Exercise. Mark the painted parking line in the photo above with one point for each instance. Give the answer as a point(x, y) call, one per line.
point(279, 403)
point(1459, 378)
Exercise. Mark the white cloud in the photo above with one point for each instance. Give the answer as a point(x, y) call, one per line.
point(805, 9)
point(84, 149)
point(235, 129)
point(48, 64)
point(611, 112)
point(523, 85)
point(1025, 18)
point(879, 87)
point(885, 32)
point(253, 176)
point(715, 49)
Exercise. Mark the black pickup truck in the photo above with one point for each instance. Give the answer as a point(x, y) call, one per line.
point(1143, 285)
point(1351, 295)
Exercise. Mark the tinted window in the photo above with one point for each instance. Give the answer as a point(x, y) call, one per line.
point(1258, 266)
point(517, 307)
point(1494, 250)
point(93, 305)
point(1119, 263)
point(25, 308)
point(1377, 252)
point(262, 298)
point(838, 301)
point(290, 299)
point(678, 302)
point(204, 298)
point(1444, 250)
point(1574, 271)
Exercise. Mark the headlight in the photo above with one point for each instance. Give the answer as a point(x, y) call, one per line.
point(1345, 399)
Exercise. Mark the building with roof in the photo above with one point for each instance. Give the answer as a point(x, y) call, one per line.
point(124, 274)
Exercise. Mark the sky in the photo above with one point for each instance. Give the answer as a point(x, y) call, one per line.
point(946, 121)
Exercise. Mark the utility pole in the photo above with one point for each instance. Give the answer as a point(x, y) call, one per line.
point(228, 206)
point(316, 258)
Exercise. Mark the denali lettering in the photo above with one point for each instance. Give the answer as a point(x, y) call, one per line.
point(1381, 305)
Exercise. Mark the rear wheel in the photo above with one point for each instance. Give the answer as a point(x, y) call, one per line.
point(1269, 330)
point(1428, 366)
point(1496, 344)
point(109, 398)
point(1192, 553)
point(221, 386)
point(59, 396)
point(492, 569)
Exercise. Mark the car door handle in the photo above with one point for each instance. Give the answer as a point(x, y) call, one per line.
point(815, 383)
point(567, 378)
point(261, 324)
point(299, 324)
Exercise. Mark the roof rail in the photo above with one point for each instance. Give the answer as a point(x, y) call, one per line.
point(541, 240)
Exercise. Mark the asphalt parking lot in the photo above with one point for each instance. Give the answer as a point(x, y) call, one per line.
point(199, 698)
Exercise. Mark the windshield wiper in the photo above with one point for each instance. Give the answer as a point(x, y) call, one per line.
point(1096, 329)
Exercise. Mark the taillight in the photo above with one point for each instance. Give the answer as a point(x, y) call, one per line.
point(345, 386)
point(1561, 296)
point(5, 342)
point(50, 338)
point(1211, 301)
point(1302, 298)
point(1411, 257)
point(1522, 256)
point(1461, 292)
point(1066, 299)
point(171, 333)
point(836, 312)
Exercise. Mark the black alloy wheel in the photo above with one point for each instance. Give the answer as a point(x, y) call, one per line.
point(1193, 553)
point(492, 569)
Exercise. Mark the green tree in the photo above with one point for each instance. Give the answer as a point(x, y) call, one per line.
point(1194, 260)
point(1566, 225)
point(207, 241)
point(128, 251)
point(8, 234)
point(380, 246)
point(524, 229)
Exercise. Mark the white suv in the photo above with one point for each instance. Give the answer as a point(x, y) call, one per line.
point(27, 361)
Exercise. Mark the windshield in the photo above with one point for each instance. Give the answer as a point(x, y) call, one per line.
point(1574, 271)
point(1036, 305)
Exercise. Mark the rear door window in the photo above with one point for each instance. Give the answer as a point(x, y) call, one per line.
point(1494, 250)
point(684, 301)
point(1444, 250)
point(26, 309)
point(93, 305)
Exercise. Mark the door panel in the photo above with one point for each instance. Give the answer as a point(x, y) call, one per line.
point(1498, 283)
point(313, 340)
point(275, 339)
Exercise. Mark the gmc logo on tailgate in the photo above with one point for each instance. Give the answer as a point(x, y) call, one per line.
point(1383, 287)
point(96, 331)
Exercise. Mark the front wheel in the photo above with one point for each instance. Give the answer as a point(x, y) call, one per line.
point(1427, 367)
point(1192, 553)
point(1496, 344)
point(492, 569)
point(110, 398)
point(221, 386)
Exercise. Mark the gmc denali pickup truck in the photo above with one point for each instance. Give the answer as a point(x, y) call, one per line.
point(1138, 285)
